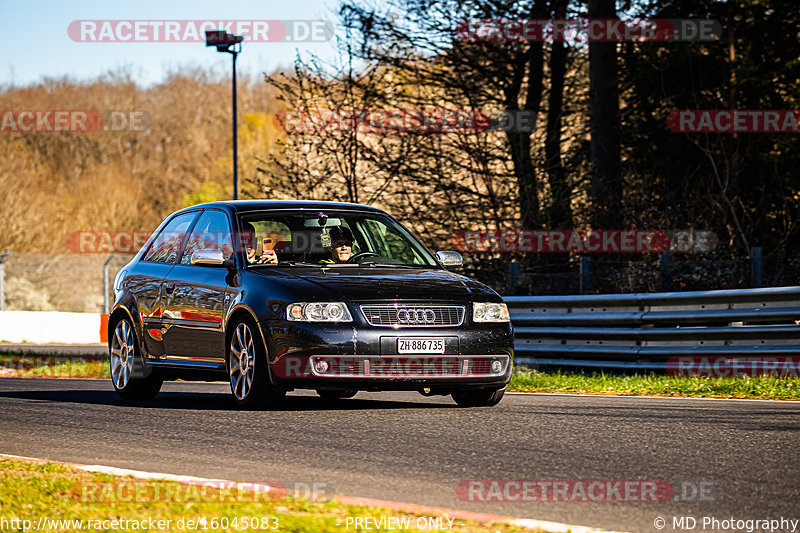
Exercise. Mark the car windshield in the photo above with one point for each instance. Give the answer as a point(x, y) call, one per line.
point(329, 238)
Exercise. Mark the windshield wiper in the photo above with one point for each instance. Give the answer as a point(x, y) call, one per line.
point(397, 265)
point(289, 263)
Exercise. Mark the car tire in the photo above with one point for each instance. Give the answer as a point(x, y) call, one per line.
point(248, 374)
point(333, 394)
point(479, 398)
point(131, 379)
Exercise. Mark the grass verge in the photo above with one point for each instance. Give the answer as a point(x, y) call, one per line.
point(652, 384)
point(53, 366)
point(31, 490)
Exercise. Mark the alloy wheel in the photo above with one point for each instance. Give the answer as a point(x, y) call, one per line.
point(242, 361)
point(122, 354)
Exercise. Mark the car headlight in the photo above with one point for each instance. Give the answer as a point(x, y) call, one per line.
point(318, 312)
point(486, 312)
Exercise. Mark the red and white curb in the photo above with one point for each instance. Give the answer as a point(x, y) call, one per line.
point(531, 523)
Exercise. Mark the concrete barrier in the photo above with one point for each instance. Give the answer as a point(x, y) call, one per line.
point(43, 327)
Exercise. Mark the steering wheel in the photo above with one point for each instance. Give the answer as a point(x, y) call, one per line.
point(354, 258)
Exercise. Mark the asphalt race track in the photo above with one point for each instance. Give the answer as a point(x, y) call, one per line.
point(401, 446)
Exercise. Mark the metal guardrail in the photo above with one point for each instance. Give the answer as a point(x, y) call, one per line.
point(645, 330)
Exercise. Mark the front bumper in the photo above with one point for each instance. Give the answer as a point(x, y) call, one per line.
point(364, 357)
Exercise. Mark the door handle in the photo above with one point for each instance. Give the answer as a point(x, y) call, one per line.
point(170, 288)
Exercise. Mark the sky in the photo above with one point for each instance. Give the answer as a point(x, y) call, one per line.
point(38, 43)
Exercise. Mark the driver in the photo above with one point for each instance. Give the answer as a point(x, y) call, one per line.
point(341, 245)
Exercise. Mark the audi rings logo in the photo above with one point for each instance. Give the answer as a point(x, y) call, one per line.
point(416, 316)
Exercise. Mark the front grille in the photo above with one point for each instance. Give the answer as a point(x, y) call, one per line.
point(413, 316)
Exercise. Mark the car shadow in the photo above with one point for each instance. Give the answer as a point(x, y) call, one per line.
point(210, 401)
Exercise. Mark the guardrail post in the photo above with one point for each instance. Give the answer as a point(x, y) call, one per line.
point(585, 274)
point(105, 283)
point(666, 272)
point(513, 276)
point(3, 258)
point(756, 267)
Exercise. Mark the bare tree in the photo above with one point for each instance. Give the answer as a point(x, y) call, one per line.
point(605, 125)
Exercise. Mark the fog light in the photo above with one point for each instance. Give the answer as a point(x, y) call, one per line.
point(321, 366)
point(497, 366)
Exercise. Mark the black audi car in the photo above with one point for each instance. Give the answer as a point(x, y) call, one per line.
point(280, 295)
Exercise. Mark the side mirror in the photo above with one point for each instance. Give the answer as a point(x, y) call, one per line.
point(450, 259)
point(208, 257)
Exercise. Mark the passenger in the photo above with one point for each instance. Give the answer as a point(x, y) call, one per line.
point(249, 242)
point(341, 245)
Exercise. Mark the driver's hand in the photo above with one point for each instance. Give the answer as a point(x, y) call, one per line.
point(269, 256)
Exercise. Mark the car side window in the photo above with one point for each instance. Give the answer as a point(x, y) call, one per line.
point(167, 245)
point(212, 231)
point(391, 244)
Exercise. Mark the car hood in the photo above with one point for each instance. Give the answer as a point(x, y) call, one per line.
point(375, 283)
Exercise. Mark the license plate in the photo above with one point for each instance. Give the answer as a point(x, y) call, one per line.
point(420, 345)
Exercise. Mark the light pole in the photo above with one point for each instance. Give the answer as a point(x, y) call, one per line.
point(225, 42)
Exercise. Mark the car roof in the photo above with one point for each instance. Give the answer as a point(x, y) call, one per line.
point(241, 206)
